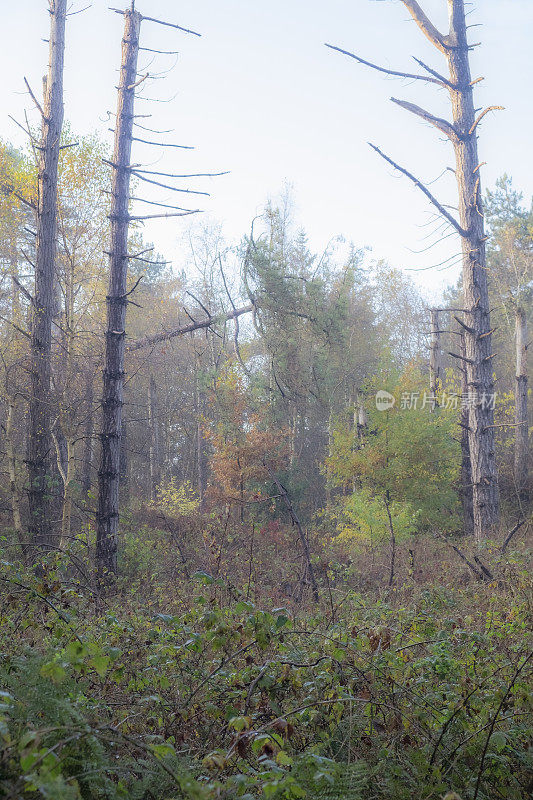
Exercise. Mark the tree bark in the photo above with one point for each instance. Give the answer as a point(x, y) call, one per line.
point(477, 333)
point(40, 436)
point(521, 451)
point(113, 385)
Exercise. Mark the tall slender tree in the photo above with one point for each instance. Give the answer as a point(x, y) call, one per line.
point(113, 389)
point(117, 298)
point(40, 436)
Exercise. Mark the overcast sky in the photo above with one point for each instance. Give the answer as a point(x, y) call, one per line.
point(261, 96)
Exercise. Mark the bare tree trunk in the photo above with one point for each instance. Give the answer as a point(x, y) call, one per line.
point(521, 451)
point(478, 338)
point(155, 452)
point(112, 398)
point(467, 496)
point(435, 357)
point(40, 437)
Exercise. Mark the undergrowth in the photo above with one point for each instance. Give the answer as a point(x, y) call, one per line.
point(216, 697)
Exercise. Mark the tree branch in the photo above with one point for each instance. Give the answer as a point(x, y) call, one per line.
point(34, 99)
point(170, 25)
point(483, 113)
point(426, 26)
point(431, 198)
point(147, 341)
point(138, 218)
point(394, 73)
point(442, 125)
point(440, 78)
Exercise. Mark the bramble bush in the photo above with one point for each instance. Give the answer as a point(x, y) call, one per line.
point(217, 698)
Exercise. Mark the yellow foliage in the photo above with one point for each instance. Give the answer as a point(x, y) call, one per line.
point(177, 500)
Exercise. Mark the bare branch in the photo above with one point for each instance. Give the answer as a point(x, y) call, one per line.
point(22, 288)
point(440, 78)
point(171, 25)
point(162, 144)
point(431, 198)
point(161, 205)
point(138, 83)
point(190, 175)
point(204, 308)
point(26, 130)
point(16, 327)
point(441, 124)
point(394, 73)
point(160, 52)
point(34, 99)
point(484, 113)
point(426, 26)
point(165, 186)
point(164, 216)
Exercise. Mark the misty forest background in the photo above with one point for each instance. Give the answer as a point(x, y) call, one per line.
point(227, 571)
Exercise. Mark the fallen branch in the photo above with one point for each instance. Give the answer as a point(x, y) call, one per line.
point(148, 341)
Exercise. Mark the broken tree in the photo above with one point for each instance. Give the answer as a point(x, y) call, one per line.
point(462, 133)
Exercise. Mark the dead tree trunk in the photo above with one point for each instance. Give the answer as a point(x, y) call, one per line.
point(39, 435)
point(155, 451)
point(521, 451)
point(113, 388)
point(435, 357)
point(462, 133)
point(467, 496)
point(478, 360)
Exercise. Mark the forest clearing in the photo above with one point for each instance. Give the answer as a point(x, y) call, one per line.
point(266, 509)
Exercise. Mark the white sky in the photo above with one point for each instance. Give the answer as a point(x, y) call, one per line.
point(261, 96)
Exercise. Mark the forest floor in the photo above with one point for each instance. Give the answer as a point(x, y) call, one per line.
point(208, 671)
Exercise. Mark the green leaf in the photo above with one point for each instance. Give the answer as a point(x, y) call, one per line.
point(162, 750)
point(100, 664)
point(203, 578)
